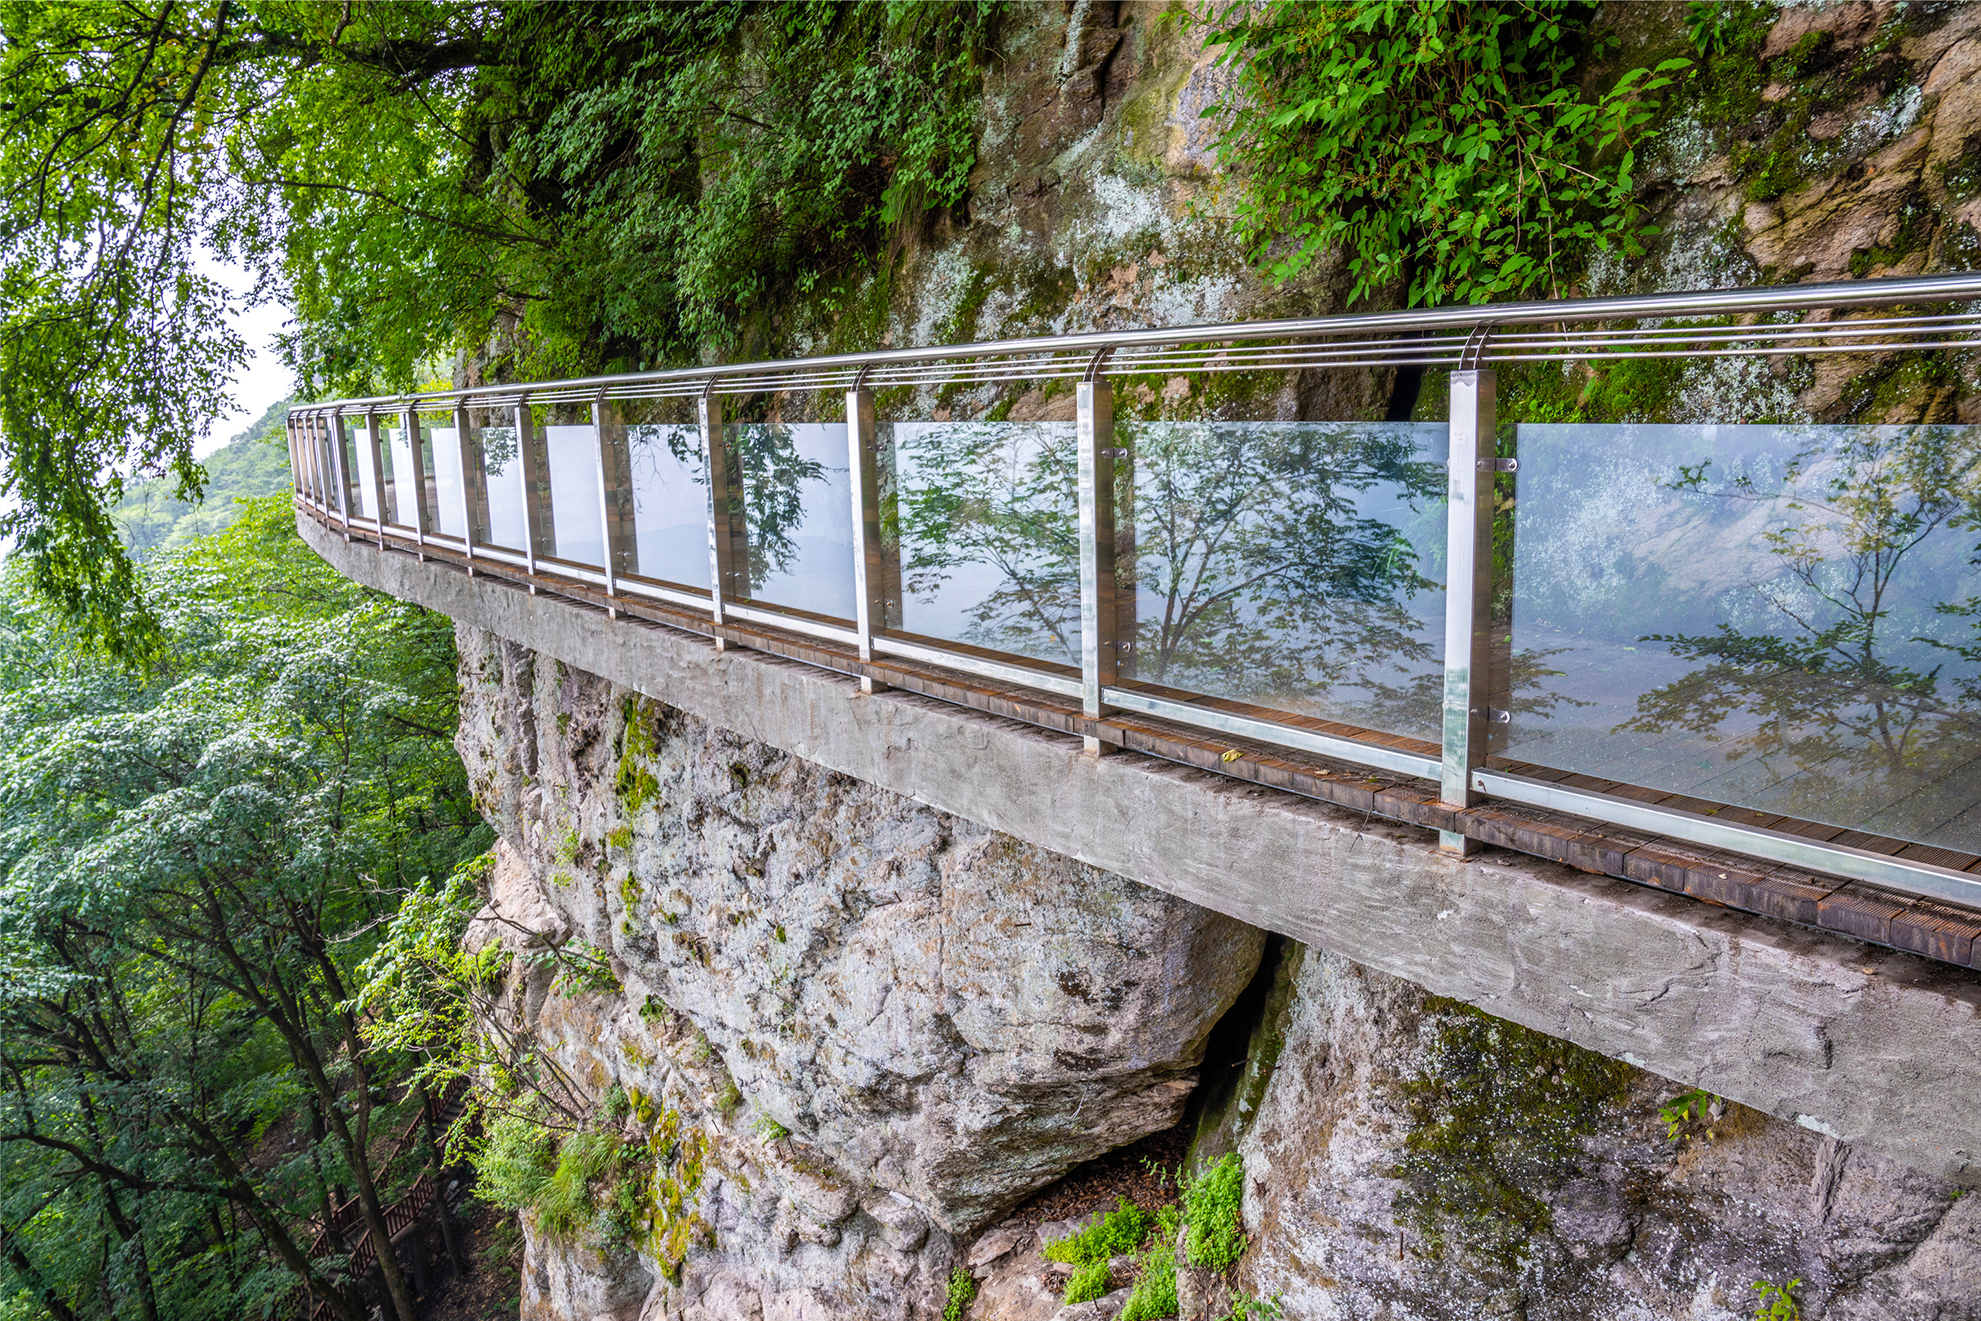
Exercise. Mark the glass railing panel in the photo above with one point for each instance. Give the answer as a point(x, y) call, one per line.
point(387, 472)
point(980, 534)
point(327, 442)
point(441, 445)
point(306, 455)
point(570, 446)
point(1291, 565)
point(797, 512)
point(492, 432)
point(358, 445)
point(667, 475)
point(326, 473)
point(1782, 618)
point(396, 444)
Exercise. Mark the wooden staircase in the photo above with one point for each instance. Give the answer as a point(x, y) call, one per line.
point(347, 1231)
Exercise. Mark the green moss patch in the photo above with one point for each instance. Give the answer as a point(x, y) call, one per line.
point(1496, 1120)
point(633, 783)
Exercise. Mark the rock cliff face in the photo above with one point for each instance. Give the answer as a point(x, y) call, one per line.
point(892, 1026)
point(1406, 1157)
point(1834, 140)
point(941, 1018)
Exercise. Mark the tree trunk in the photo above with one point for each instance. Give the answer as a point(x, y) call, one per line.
point(449, 1231)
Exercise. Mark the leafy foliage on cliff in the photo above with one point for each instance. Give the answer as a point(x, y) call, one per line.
point(627, 183)
point(622, 1172)
point(631, 1180)
point(192, 866)
point(1446, 147)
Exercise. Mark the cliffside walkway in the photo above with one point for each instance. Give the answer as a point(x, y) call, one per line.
point(1729, 661)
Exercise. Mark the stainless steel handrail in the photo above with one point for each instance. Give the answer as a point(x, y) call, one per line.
point(1470, 339)
point(1721, 302)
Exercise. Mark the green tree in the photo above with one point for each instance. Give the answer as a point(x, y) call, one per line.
point(254, 463)
point(1447, 150)
point(610, 186)
point(192, 865)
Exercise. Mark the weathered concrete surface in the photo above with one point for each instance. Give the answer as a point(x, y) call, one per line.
point(1865, 1045)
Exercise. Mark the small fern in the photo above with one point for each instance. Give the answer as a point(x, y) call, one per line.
point(1116, 1234)
point(962, 1292)
point(1087, 1283)
point(1211, 1207)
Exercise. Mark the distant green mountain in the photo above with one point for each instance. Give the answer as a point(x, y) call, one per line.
point(256, 462)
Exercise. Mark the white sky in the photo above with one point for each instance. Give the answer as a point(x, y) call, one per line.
point(263, 379)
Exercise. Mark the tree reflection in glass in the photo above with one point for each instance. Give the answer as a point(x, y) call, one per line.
point(1289, 564)
point(495, 445)
point(774, 478)
point(984, 517)
point(667, 474)
point(1284, 563)
point(797, 512)
point(1802, 603)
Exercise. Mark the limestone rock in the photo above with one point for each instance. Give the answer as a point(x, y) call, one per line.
point(1561, 1204)
point(992, 1246)
point(890, 1024)
point(1098, 1309)
point(863, 1002)
point(1017, 1282)
point(564, 1282)
point(517, 914)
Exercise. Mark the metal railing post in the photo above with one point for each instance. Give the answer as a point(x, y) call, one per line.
point(377, 456)
point(1099, 652)
point(721, 507)
point(422, 511)
point(611, 536)
point(529, 464)
point(1468, 588)
point(295, 478)
point(869, 564)
point(472, 484)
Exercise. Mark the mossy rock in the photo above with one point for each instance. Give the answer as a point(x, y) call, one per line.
point(1497, 1120)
